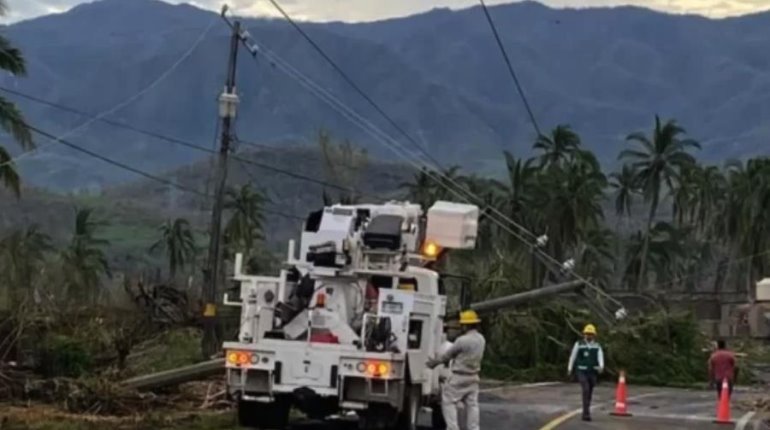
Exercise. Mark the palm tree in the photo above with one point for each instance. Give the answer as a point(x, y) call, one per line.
point(178, 242)
point(569, 197)
point(22, 257)
point(745, 216)
point(429, 186)
point(11, 119)
point(660, 161)
point(711, 189)
point(488, 193)
point(594, 254)
point(626, 187)
point(519, 189)
point(244, 228)
point(84, 260)
point(558, 147)
point(665, 250)
point(422, 189)
point(343, 164)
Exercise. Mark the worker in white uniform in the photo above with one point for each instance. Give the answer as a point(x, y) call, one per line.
point(462, 386)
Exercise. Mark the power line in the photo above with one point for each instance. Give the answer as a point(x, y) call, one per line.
point(139, 172)
point(131, 99)
point(352, 83)
point(115, 163)
point(312, 157)
point(443, 180)
point(510, 68)
point(190, 145)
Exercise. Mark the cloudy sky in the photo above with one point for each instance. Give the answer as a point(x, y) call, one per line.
point(366, 10)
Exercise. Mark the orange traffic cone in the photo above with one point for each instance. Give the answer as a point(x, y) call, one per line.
point(621, 397)
point(723, 406)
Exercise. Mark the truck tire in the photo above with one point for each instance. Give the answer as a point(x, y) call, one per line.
point(264, 416)
point(378, 417)
point(407, 418)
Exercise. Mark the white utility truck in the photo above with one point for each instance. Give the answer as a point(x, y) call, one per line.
point(350, 322)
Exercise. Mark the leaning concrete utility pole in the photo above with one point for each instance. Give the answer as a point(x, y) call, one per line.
point(228, 103)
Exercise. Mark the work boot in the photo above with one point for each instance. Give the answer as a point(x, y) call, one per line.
point(586, 418)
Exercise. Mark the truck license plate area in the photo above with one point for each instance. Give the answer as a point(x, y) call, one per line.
point(307, 370)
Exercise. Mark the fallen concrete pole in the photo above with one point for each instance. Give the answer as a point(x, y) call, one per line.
point(526, 297)
point(177, 376)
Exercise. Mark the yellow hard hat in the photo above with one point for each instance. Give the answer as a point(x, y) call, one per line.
point(469, 317)
point(589, 329)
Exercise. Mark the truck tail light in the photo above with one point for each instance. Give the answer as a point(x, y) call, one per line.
point(239, 358)
point(376, 369)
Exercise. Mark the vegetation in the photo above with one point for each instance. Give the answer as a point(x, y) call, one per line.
point(343, 164)
point(704, 228)
point(717, 215)
point(178, 242)
point(11, 119)
point(83, 260)
point(695, 218)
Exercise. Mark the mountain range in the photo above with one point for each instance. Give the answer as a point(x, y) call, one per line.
point(606, 72)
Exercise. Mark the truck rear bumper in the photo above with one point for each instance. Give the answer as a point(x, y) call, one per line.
point(305, 370)
point(353, 392)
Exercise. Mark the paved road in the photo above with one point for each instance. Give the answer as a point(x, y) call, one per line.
point(556, 407)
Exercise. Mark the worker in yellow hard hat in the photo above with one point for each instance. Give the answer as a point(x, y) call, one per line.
point(462, 385)
point(587, 359)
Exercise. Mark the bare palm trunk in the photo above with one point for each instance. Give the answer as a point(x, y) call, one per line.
point(619, 260)
point(646, 246)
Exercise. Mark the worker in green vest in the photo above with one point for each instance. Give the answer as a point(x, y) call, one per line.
point(587, 360)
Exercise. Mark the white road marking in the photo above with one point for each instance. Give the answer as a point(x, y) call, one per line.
point(744, 421)
point(551, 425)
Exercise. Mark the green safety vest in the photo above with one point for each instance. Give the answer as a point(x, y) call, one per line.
point(587, 356)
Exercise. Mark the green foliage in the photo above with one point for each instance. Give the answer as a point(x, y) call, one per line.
point(661, 162)
point(658, 349)
point(11, 119)
point(84, 260)
point(178, 242)
point(22, 258)
point(343, 163)
point(63, 356)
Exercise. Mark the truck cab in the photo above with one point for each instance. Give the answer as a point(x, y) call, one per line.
point(350, 321)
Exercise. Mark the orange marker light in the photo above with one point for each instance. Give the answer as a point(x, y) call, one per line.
point(371, 368)
point(430, 249)
point(383, 369)
point(238, 358)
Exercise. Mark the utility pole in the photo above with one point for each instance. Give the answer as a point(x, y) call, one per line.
point(228, 103)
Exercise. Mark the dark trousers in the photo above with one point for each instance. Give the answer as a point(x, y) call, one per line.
point(718, 386)
point(587, 380)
